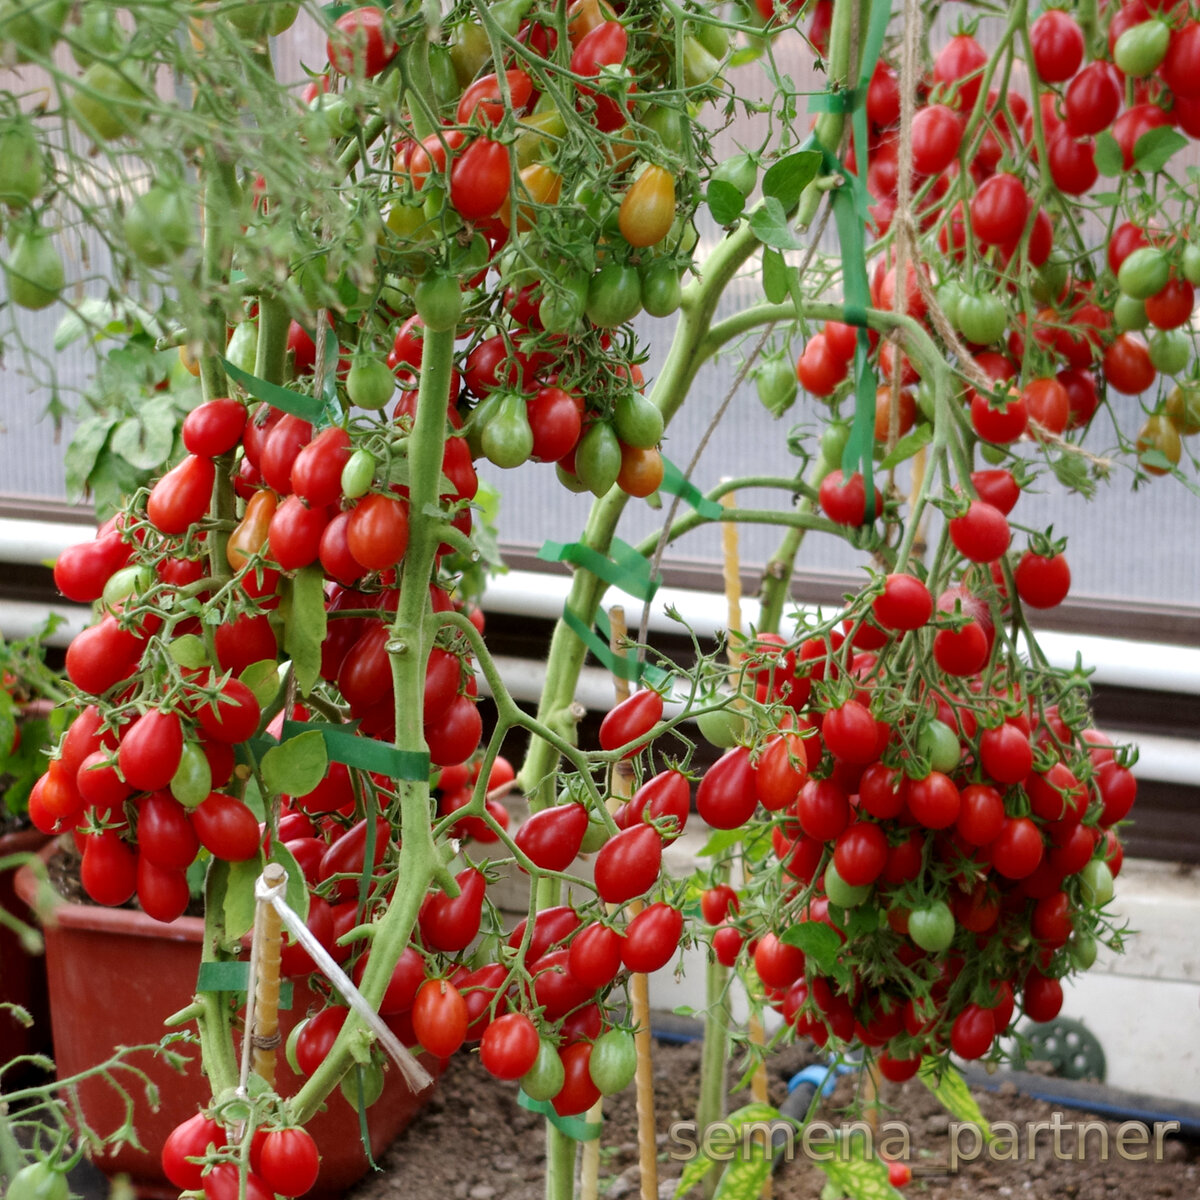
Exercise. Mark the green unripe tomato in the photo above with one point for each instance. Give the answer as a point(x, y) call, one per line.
point(289, 1047)
point(446, 87)
point(571, 482)
point(126, 582)
point(594, 836)
point(370, 383)
point(358, 474)
point(723, 726)
point(22, 165)
point(362, 1085)
point(981, 318)
point(242, 350)
point(740, 170)
point(663, 121)
point(507, 438)
point(1144, 273)
point(34, 269)
point(613, 1061)
point(1141, 48)
point(1129, 315)
point(637, 421)
point(614, 295)
point(1082, 950)
point(1189, 264)
point(158, 225)
point(598, 458)
point(1096, 884)
point(662, 288)
point(1171, 351)
point(840, 892)
point(544, 1080)
point(833, 443)
point(98, 34)
point(439, 302)
point(932, 926)
point(949, 296)
point(1183, 408)
point(38, 1181)
point(563, 303)
point(32, 27)
point(994, 455)
point(1051, 277)
point(939, 743)
point(776, 384)
point(108, 102)
point(192, 781)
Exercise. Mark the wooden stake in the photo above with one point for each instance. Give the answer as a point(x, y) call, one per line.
point(268, 934)
point(732, 570)
point(639, 984)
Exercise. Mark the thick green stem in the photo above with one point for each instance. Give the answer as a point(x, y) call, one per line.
point(560, 1164)
point(217, 256)
point(270, 355)
point(710, 1107)
point(412, 638)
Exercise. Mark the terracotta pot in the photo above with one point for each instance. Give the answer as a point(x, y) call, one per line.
point(114, 976)
point(22, 975)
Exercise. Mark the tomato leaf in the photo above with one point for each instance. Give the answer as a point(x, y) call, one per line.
point(774, 276)
point(742, 1169)
point(725, 202)
point(1109, 159)
point(859, 1178)
point(1156, 147)
point(952, 1092)
point(295, 767)
point(304, 626)
point(721, 840)
point(786, 179)
point(145, 441)
point(907, 446)
point(296, 892)
point(238, 902)
point(262, 678)
point(819, 942)
point(85, 448)
point(771, 226)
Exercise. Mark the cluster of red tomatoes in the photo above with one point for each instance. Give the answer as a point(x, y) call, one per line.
point(951, 827)
point(978, 177)
point(147, 771)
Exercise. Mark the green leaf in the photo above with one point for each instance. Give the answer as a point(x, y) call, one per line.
point(953, 1094)
point(262, 678)
point(296, 892)
point(145, 441)
point(744, 1177)
point(786, 179)
point(295, 767)
point(1156, 458)
point(304, 628)
point(860, 1178)
point(85, 448)
point(1154, 149)
point(725, 202)
point(907, 446)
point(722, 839)
point(774, 276)
point(239, 902)
point(771, 226)
point(746, 55)
point(819, 942)
point(1109, 159)
point(1106, 198)
point(736, 1175)
point(695, 1170)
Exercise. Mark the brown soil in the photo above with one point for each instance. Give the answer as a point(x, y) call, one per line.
point(474, 1142)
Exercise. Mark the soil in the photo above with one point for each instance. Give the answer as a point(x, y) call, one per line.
point(474, 1142)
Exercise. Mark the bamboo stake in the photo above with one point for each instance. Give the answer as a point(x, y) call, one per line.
point(732, 569)
point(269, 937)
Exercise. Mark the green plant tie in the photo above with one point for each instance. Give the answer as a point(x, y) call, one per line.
point(675, 484)
point(599, 644)
point(851, 213)
point(307, 408)
point(344, 746)
point(626, 569)
point(235, 977)
point(574, 1127)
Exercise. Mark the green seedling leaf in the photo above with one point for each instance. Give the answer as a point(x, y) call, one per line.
point(786, 179)
point(725, 202)
point(295, 767)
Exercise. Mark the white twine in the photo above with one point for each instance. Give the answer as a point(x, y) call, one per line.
point(414, 1074)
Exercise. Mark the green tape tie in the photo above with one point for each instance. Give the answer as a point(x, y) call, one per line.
point(600, 646)
point(235, 977)
point(574, 1127)
point(367, 754)
point(307, 408)
point(844, 101)
point(676, 485)
point(626, 569)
